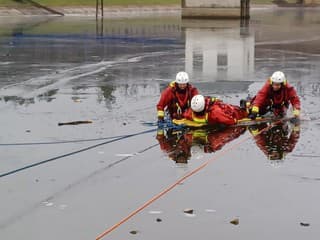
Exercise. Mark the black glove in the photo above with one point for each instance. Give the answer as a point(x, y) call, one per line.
point(295, 120)
point(253, 115)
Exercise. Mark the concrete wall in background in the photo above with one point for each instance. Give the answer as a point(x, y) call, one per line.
point(311, 2)
point(212, 3)
point(223, 9)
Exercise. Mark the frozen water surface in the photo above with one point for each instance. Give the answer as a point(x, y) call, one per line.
point(112, 72)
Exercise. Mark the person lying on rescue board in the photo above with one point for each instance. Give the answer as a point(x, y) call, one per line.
point(275, 96)
point(213, 111)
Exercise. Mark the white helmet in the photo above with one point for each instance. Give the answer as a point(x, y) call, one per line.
point(278, 77)
point(182, 77)
point(198, 103)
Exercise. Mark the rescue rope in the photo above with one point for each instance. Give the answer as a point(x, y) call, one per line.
point(61, 141)
point(74, 152)
point(165, 125)
point(179, 181)
point(72, 185)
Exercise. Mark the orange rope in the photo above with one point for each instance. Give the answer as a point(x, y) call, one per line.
point(156, 197)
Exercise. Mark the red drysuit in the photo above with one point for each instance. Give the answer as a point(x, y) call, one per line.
point(175, 100)
point(276, 101)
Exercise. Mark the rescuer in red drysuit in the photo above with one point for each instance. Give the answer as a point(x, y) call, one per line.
point(276, 95)
point(175, 99)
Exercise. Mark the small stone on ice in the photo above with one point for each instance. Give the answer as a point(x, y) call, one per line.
point(235, 221)
point(305, 224)
point(188, 211)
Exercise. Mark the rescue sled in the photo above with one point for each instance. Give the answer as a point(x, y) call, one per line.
point(241, 122)
point(188, 123)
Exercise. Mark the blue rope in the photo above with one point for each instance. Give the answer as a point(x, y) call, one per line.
point(166, 124)
point(73, 153)
point(60, 142)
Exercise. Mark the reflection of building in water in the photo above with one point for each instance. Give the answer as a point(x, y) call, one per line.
point(219, 53)
point(120, 94)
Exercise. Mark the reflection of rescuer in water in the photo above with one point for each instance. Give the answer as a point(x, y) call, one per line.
point(216, 140)
point(178, 145)
point(276, 142)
